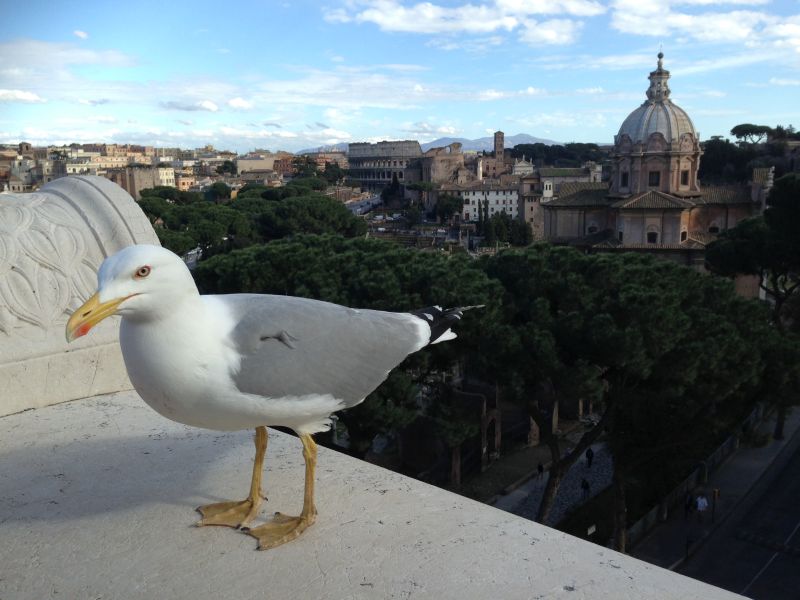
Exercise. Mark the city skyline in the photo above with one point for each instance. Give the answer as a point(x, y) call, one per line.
point(291, 76)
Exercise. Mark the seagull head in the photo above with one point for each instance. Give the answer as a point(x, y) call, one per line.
point(140, 282)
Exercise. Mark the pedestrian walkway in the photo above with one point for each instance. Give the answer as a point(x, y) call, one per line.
point(525, 500)
point(669, 544)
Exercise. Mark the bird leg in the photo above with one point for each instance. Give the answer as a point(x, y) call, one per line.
point(236, 514)
point(285, 528)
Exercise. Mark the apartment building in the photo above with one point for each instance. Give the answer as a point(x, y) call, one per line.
point(497, 198)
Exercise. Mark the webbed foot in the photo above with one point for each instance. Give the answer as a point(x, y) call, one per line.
point(234, 514)
point(282, 529)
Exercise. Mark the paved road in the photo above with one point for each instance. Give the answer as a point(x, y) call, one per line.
point(525, 500)
point(756, 552)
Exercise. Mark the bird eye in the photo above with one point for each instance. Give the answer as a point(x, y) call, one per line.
point(142, 272)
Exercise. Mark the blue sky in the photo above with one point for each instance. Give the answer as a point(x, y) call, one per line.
point(292, 75)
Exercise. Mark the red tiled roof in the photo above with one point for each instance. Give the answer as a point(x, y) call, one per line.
point(653, 199)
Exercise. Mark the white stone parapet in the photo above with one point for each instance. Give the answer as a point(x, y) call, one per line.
point(97, 500)
point(51, 244)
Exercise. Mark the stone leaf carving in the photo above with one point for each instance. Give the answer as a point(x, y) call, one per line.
point(38, 257)
point(51, 244)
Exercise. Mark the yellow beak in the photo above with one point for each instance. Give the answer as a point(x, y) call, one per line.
point(90, 314)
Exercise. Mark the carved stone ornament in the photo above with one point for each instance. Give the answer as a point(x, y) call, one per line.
point(687, 143)
point(656, 143)
point(51, 244)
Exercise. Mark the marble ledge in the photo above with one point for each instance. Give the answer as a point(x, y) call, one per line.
point(97, 500)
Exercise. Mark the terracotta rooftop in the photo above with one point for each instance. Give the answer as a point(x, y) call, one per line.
point(725, 194)
point(653, 199)
point(562, 172)
point(571, 187)
point(579, 194)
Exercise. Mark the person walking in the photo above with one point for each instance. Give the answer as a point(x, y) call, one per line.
point(589, 457)
point(701, 504)
point(586, 489)
point(688, 505)
point(539, 471)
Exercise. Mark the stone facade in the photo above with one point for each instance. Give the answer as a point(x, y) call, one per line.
point(494, 167)
point(375, 165)
point(135, 179)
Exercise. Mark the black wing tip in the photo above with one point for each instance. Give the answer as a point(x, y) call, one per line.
point(440, 319)
point(437, 312)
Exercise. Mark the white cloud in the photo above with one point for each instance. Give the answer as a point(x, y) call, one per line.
point(202, 105)
point(786, 32)
point(47, 69)
point(102, 119)
point(532, 91)
point(240, 103)
point(493, 94)
point(556, 120)
point(250, 134)
point(81, 34)
point(488, 17)
point(715, 2)
point(475, 45)
point(425, 131)
point(208, 105)
point(554, 31)
point(426, 17)
point(784, 82)
point(343, 88)
point(36, 54)
point(661, 18)
point(726, 61)
point(587, 62)
point(19, 96)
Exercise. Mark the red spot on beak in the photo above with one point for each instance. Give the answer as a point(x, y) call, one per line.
point(83, 329)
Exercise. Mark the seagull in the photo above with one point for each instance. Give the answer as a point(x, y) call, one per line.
point(241, 361)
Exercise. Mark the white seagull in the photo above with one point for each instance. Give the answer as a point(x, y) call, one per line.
point(238, 361)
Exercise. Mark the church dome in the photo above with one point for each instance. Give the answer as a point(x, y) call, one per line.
point(658, 114)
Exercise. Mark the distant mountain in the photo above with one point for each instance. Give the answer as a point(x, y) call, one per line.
point(342, 147)
point(487, 143)
point(484, 143)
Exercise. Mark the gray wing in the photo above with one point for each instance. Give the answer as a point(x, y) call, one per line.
point(296, 346)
